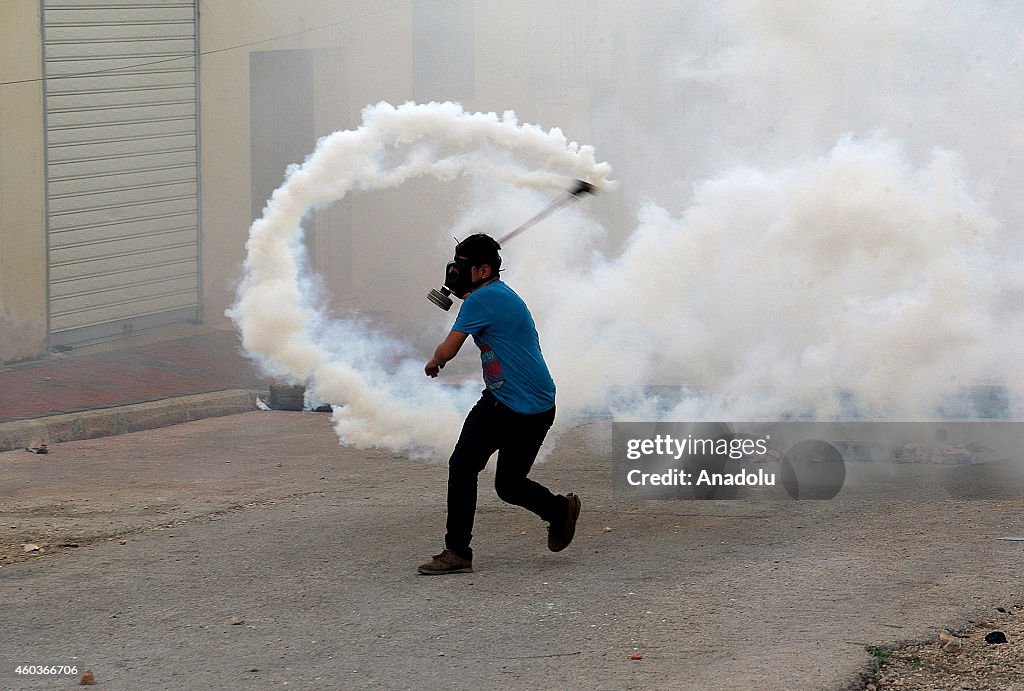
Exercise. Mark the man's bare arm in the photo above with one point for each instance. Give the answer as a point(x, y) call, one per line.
point(448, 349)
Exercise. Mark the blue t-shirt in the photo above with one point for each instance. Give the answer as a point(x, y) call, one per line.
point(513, 366)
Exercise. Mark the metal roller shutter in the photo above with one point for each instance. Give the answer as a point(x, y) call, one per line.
point(121, 172)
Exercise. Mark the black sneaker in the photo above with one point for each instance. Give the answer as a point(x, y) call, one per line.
point(560, 533)
point(446, 562)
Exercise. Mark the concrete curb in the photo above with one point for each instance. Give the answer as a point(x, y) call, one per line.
point(104, 422)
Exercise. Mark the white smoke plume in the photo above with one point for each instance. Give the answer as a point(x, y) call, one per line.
point(853, 283)
point(384, 402)
point(828, 224)
point(837, 228)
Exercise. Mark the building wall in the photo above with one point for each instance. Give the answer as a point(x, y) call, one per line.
point(22, 203)
point(360, 55)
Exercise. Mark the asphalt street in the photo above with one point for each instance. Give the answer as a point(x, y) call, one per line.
point(253, 551)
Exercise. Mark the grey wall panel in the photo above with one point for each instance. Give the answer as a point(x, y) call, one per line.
point(119, 98)
point(122, 161)
point(129, 197)
point(103, 257)
point(90, 294)
point(120, 214)
point(121, 81)
point(152, 62)
point(62, 189)
point(105, 148)
point(148, 51)
point(89, 313)
point(101, 132)
point(139, 229)
point(167, 270)
point(124, 114)
point(105, 15)
point(115, 164)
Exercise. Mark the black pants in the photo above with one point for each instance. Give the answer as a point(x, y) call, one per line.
point(491, 426)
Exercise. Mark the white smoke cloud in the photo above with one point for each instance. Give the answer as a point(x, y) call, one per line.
point(852, 282)
point(838, 225)
point(843, 239)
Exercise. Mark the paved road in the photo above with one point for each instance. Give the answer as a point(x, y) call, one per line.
point(262, 519)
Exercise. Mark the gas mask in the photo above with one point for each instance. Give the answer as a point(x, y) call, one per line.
point(458, 280)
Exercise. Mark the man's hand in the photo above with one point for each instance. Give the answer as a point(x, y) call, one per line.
point(448, 349)
point(433, 368)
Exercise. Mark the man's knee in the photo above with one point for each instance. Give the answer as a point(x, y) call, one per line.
point(509, 487)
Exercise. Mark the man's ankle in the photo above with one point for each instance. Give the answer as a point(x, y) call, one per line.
point(466, 554)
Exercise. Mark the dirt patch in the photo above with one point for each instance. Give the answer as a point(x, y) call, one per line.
point(57, 527)
point(976, 665)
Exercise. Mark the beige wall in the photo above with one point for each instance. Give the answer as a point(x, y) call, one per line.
point(22, 205)
point(362, 56)
point(538, 61)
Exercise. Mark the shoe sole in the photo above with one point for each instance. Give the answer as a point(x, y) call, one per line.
point(432, 572)
point(575, 505)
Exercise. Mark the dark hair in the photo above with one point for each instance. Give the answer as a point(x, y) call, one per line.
point(480, 249)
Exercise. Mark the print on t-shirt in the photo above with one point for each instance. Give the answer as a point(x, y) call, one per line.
point(493, 377)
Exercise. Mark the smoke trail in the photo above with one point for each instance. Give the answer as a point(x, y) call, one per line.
point(385, 403)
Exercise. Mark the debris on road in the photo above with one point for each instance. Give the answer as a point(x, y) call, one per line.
point(950, 643)
point(88, 678)
point(31, 547)
point(237, 621)
point(995, 638)
point(37, 445)
point(636, 656)
point(980, 664)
